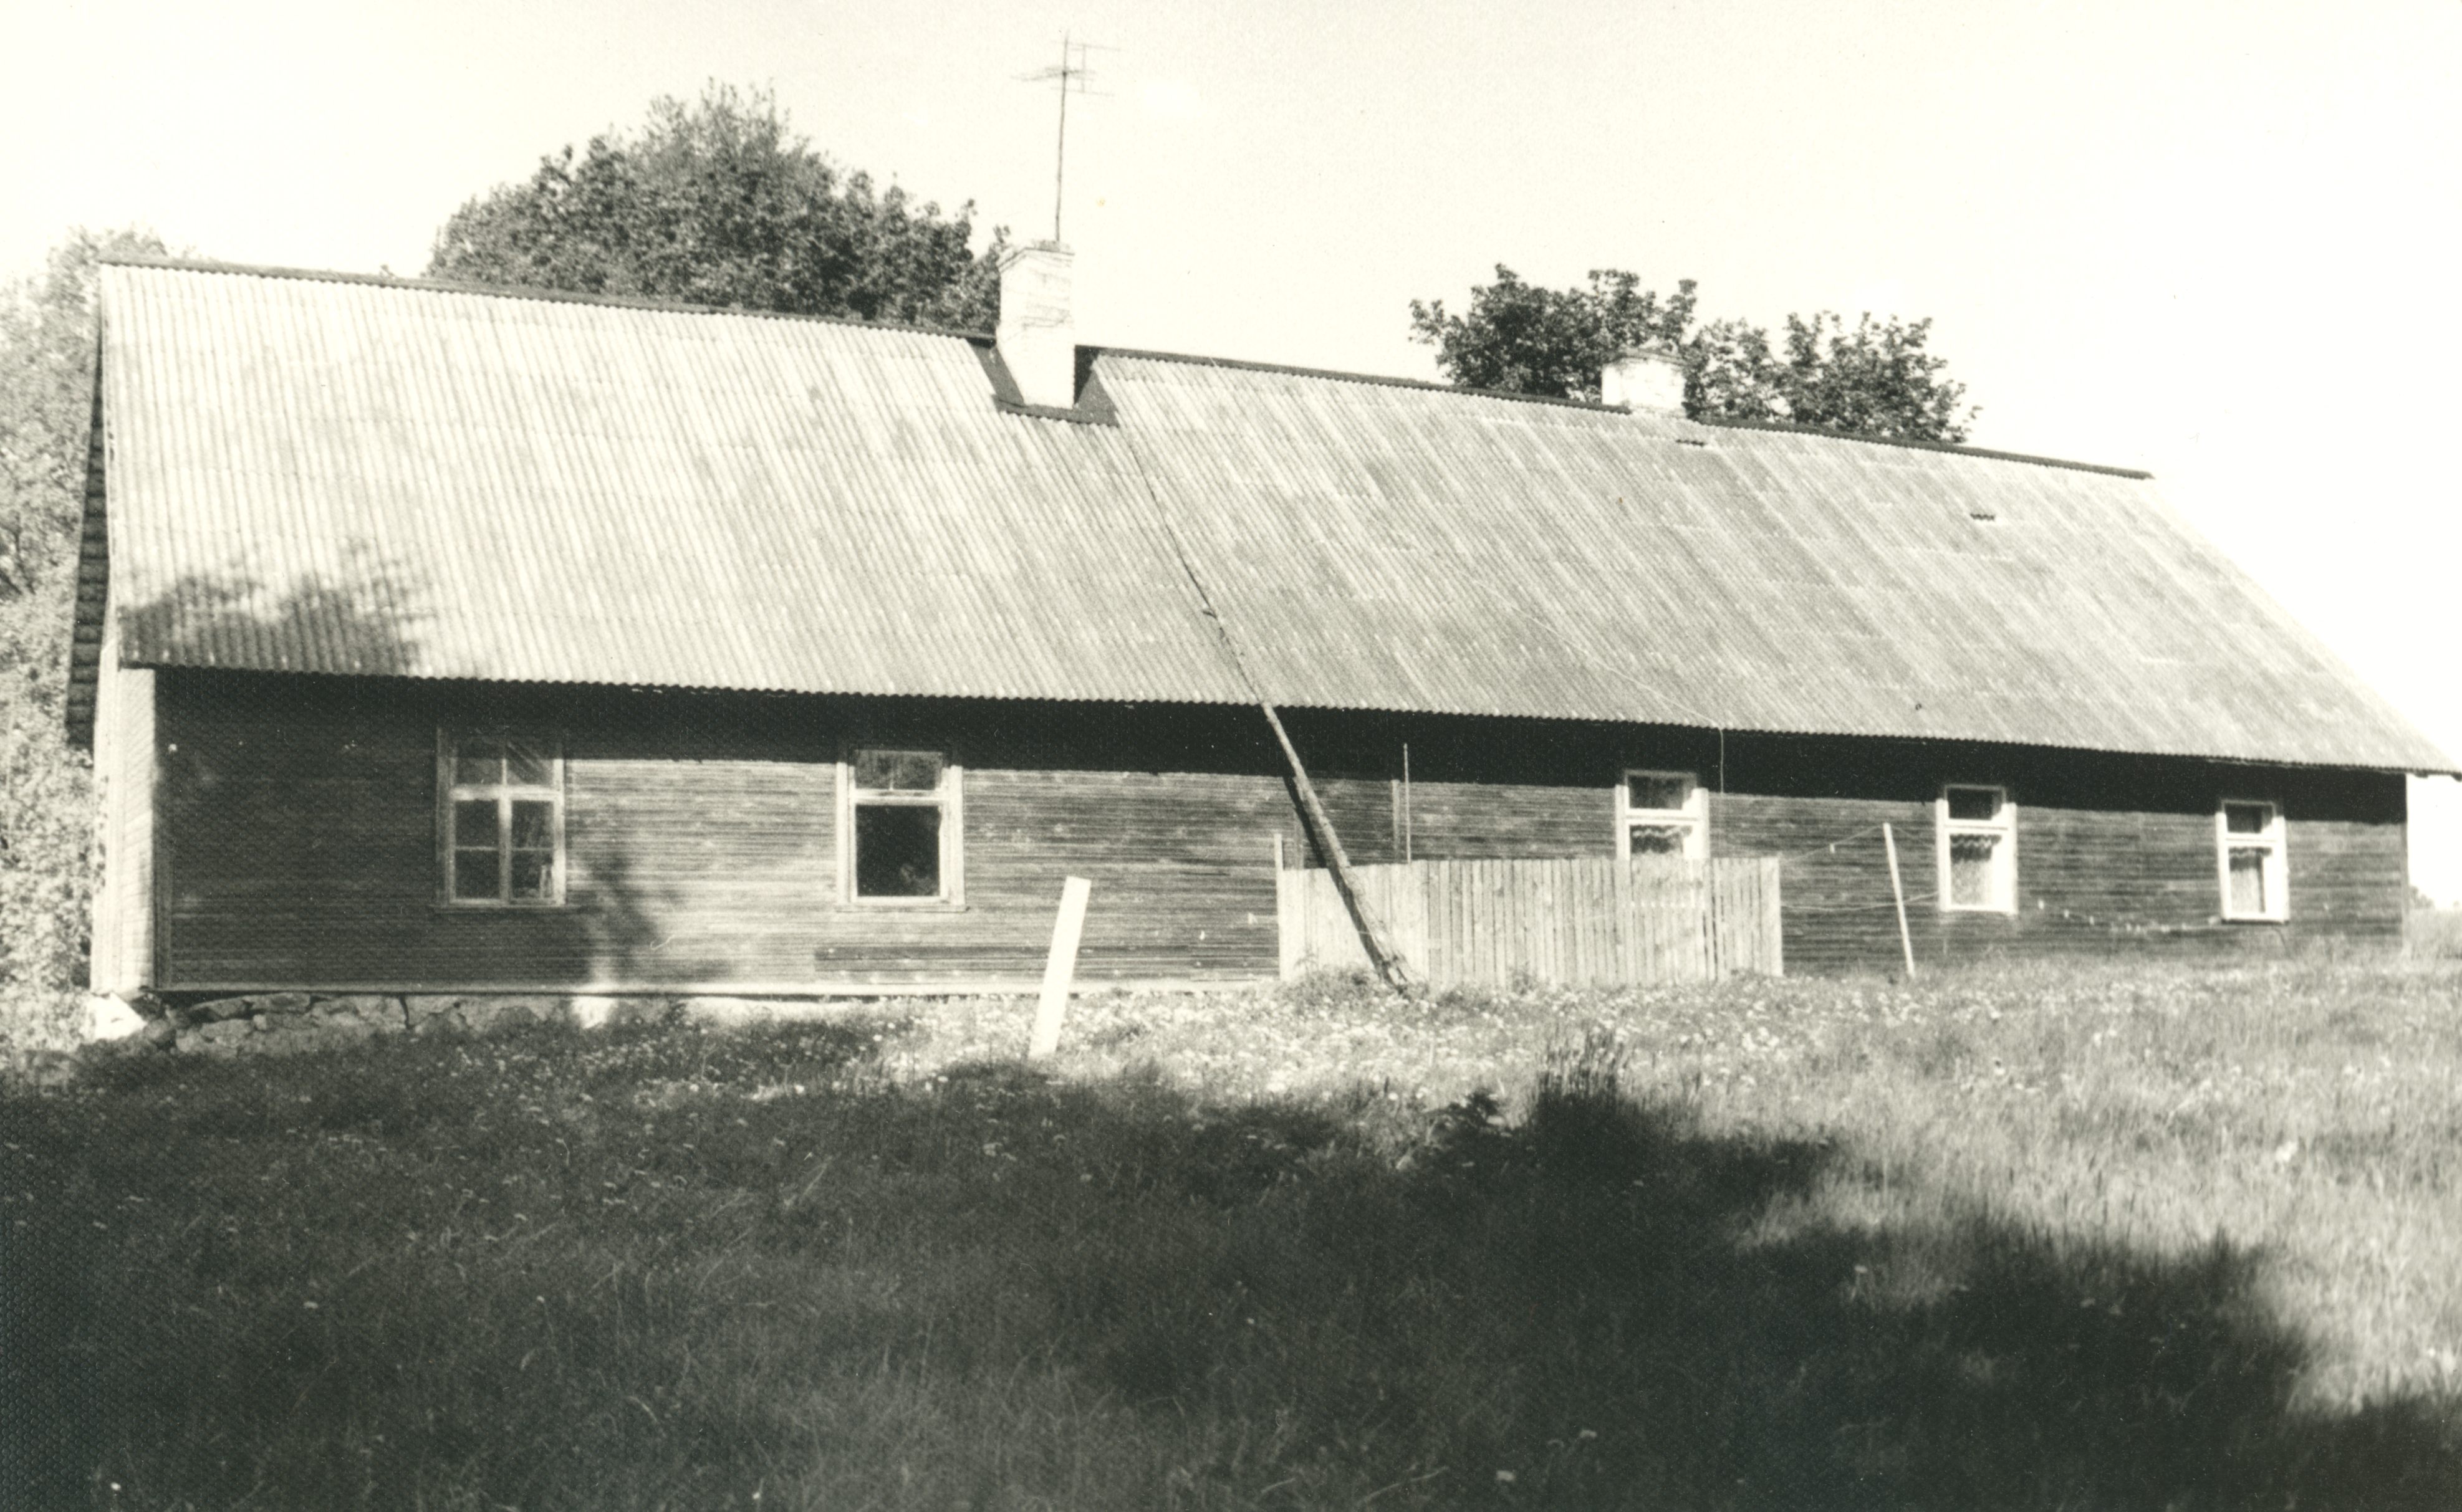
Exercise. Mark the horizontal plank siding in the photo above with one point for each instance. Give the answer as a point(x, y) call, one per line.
point(2114, 854)
point(297, 818)
point(701, 843)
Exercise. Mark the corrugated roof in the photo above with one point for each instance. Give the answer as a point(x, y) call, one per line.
point(349, 476)
point(1404, 547)
point(327, 476)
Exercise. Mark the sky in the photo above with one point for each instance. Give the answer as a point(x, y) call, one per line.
point(2214, 241)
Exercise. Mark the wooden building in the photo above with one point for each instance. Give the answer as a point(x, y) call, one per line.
point(436, 639)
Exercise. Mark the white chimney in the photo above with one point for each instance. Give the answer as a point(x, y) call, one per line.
point(1647, 381)
point(1038, 332)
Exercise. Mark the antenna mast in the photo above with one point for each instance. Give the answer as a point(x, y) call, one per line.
point(1071, 77)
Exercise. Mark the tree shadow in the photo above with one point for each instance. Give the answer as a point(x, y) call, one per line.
point(373, 698)
point(1620, 1308)
point(362, 620)
point(1272, 1303)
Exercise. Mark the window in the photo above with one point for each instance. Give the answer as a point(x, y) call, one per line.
point(900, 827)
point(1662, 814)
point(502, 824)
point(2248, 847)
point(1978, 829)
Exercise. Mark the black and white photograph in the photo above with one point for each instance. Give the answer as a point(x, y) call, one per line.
point(784, 754)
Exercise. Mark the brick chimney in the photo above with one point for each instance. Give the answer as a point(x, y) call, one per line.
point(1647, 381)
point(1038, 331)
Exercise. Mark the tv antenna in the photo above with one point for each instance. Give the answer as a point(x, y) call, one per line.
point(1072, 75)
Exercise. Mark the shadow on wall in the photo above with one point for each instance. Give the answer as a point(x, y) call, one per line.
point(619, 916)
point(1608, 1303)
point(328, 782)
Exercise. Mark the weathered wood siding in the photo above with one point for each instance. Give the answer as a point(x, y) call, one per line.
point(701, 840)
point(1579, 921)
point(2114, 852)
point(299, 836)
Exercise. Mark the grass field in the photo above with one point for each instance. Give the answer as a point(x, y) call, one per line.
point(2435, 934)
point(2159, 1237)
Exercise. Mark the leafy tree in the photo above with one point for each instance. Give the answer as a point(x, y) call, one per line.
point(1524, 339)
point(46, 398)
point(720, 202)
point(47, 336)
point(1877, 378)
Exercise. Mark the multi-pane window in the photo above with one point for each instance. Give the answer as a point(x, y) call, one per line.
point(2248, 842)
point(1662, 814)
point(1978, 830)
point(899, 826)
point(504, 818)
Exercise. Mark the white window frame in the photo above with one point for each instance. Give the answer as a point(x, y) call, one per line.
point(949, 798)
point(2274, 872)
point(1693, 818)
point(450, 791)
point(2002, 826)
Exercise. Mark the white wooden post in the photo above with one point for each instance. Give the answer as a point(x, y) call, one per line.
point(1906, 943)
point(1060, 968)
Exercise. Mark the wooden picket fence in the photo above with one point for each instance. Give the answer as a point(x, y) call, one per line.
point(1582, 922)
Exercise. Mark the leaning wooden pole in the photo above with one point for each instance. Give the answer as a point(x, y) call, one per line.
point(1379, 945)
point(1388, 962)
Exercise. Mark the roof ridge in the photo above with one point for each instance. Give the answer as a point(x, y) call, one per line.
point(1792, 428)
point(559, 296)
point(1391, 381)
point(1371, 379)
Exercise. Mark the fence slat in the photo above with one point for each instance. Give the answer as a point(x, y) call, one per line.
point(1583, 920)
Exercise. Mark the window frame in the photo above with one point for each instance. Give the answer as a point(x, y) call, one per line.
point(949, 798)
point(2276, 870)
point(1694, 817)
point(2002, 825)
point(451, 791)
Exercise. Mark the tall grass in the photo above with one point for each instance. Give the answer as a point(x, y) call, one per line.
point(2162, 1237)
